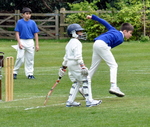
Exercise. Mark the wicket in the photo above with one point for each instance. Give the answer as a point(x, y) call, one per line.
point(9, 65)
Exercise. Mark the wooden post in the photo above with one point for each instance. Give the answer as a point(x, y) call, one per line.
point(9, 65)
point(57, 24)
point(62, 18)
point(17, 15)
point(144, 18)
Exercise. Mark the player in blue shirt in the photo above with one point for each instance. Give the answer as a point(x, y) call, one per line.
point(26, 31)
point(101, 50)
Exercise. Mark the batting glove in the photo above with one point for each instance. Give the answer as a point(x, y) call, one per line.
point(84, 69)
point(62, 71)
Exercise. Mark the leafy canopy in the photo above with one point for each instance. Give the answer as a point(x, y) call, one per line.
point(123, 11)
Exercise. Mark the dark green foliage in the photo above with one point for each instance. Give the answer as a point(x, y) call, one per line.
point(131, 12)
point(144, 38)
point(120, 11)
point(39, 6)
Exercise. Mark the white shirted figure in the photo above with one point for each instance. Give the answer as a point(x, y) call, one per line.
point(77, 71)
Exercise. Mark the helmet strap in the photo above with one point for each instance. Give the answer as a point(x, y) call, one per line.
point(74, 34)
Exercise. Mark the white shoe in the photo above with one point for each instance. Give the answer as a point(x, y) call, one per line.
point(116, 91)
point(73, 104)
point(93, 103)
point(81, 92)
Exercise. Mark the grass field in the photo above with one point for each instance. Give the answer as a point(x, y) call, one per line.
point(27, 110)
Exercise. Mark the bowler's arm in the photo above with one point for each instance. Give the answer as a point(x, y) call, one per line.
point(100, 20)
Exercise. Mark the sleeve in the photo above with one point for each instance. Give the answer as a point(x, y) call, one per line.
point(17, 27)
point(36, 30)
point(64, 63)
point(102, 21)
point(78, 53)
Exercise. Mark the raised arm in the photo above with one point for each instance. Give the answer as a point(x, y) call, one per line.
point(100, 20)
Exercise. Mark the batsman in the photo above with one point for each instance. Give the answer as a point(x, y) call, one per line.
point(77, 70)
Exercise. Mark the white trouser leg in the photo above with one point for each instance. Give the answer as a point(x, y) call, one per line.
point(29, 61)
point(26, 54)
point(73, 92)
point(96, 59)
point(87, 91)
point(102, 51)
point(90, 89)
point(19, 60)
point(76, 76)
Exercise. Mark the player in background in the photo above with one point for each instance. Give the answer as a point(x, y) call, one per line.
point(77, 71)
point(102, 51)
point(26, 30)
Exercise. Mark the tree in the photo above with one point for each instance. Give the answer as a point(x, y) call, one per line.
point(124, 11)
point(40, 6)
point(47, 6)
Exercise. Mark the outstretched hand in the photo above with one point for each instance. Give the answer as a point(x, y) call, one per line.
point(88, 17)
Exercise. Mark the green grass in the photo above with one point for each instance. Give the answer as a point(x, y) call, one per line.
point(27, 110)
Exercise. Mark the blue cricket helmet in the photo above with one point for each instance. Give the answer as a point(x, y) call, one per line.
point(73, 27)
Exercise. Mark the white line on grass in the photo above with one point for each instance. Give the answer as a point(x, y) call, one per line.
point(30, 108)
point(37, 107)
point(29, 98)
point(43, 106)
point(143, 73)
point(23, 99)
point(110, 96)
point(57, 104)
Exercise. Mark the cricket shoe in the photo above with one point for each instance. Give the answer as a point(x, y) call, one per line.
point(93, 103)
point(15, 76)
point(81, 92)
point(116, 91)
point(31, 77)
point(73, 104)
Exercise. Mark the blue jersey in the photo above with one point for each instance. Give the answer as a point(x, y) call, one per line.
point(26, 29)
point(112, 37)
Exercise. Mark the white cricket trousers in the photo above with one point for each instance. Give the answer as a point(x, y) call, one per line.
point(76, 76)
point(102, 51)
point(26, 56)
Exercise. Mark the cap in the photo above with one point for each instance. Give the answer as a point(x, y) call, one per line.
point(26, 9)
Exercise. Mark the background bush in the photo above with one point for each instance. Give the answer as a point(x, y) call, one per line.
point(132, 12)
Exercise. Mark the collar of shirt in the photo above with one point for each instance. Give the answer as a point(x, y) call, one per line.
point(122, 34)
